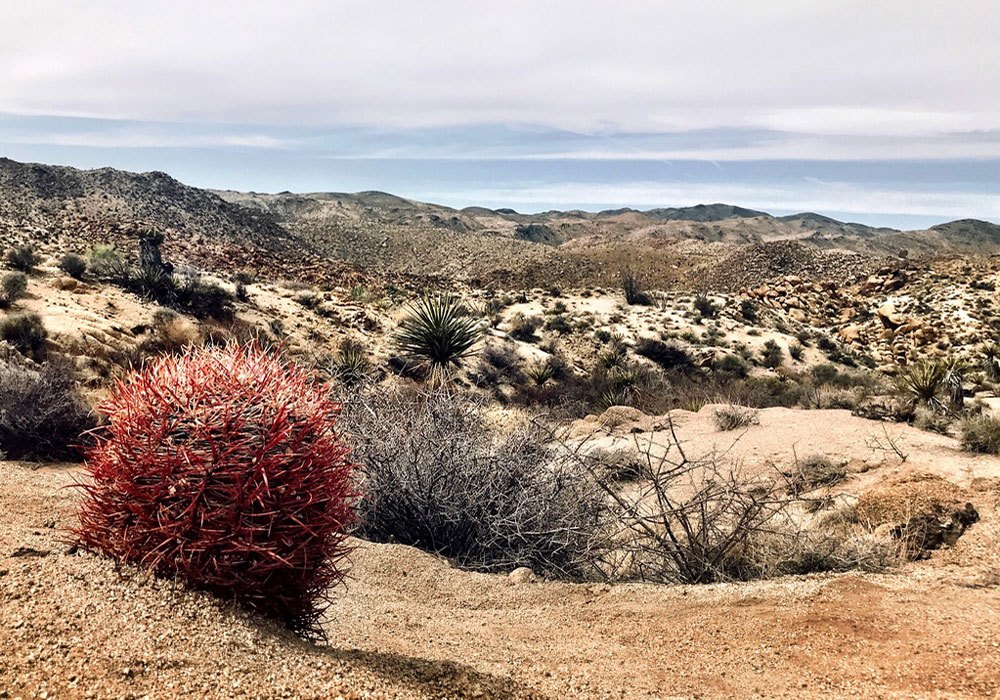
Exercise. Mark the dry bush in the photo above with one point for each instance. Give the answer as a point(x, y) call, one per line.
point(438, 476)
point(734, 416)
point(687, 520)
point(13, 286)
point(26, 332)
point(815, 471)
point(42, 414)
point(700, 520)
point(981, 434)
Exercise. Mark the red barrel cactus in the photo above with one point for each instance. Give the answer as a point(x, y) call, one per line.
point(222, 468)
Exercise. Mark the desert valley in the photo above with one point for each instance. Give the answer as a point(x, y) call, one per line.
point(690, 452)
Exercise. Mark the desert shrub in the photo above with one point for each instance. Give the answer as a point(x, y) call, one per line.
point(932, 420)
point(523, 328)
point(499, 364)
point(438, 477)
point(825, 373)
point(168, 332)
point(42, 415)
point(814, 472)
point(731, 366)
point(203, 299)
point(23, 258)
point(990, 361)
point(351, 365)
point(73, 265)
point(632, 285)
point(771, 355)
point(222, 468)
point(13, 286)
point(734, 416)
point(26, 332)
point(795, 351)
point(438, 332)
point(980, 434)
point(687, 520)
point(748, 310)
point(559, 323)
point(704, 306)
point(540, 372)
point(666, 355)
point(106, 262)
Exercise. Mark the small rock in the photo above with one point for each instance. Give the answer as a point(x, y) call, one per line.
point(521, 574)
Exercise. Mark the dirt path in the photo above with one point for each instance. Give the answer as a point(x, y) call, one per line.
point(411, 626)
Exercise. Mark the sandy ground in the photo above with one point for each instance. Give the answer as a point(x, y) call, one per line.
point(409, 625)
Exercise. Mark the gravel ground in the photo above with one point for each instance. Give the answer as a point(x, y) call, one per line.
point(410, 626)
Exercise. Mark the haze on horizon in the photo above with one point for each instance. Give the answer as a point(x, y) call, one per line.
point(884, 113)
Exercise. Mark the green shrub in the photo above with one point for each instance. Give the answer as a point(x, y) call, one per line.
point(438, 331)
point(26, 332)
point(73, 265)
point(523, 328)
point(632, 285)
point(351, 365)
point(731, 366)
point(666, 355)
point(23, 258)
point(795, 351)
point(704, 306)
point(748, 310)
point(203, 299)
point(13, 286)
point(771, 355)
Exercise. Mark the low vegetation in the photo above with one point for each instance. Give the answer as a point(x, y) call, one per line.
point(437, 476)
point(439, 331)
point(42, 415)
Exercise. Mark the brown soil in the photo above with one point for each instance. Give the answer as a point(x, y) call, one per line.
point(409, 625)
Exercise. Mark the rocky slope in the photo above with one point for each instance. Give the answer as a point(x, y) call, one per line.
point(322, 236)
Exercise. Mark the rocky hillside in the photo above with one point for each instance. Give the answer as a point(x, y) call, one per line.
point(323, 236)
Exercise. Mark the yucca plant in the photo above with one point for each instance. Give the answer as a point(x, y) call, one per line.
point(351, 364)
point(439, 331)
point(991, 362)
point(540, 372)
point(922, 382)
point(954, 378)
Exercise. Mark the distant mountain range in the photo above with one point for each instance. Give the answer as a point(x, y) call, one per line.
point(383, 233)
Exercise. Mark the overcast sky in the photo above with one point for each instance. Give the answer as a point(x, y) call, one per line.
point(877, 111)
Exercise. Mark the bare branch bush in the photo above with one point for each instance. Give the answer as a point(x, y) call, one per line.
point(703, 520)
point(887, 443)
point(439, 476)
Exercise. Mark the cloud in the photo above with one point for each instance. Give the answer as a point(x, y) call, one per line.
point(809, 67)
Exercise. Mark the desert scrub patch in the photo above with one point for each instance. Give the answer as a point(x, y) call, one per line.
point(23, 258)
point(26, 332)
point(980, 434)
point(73, 265)
point(42, 414)
point(734, 416)
point(13, 286)
point(815, 471)
point(438, 476)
